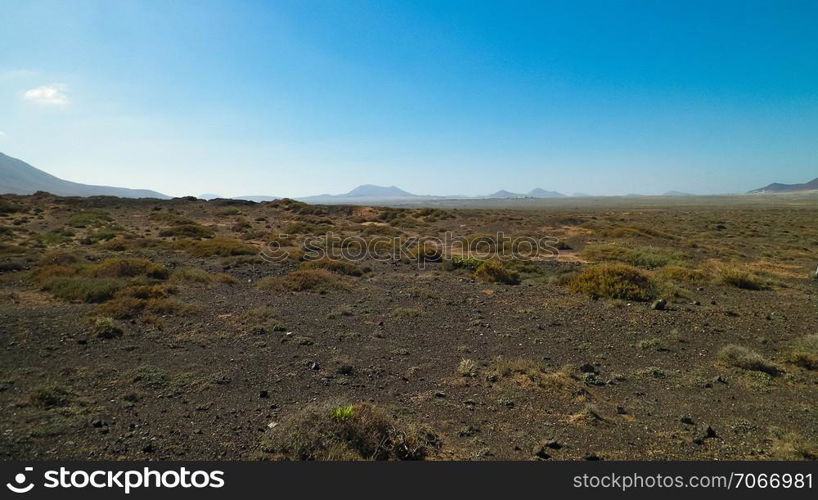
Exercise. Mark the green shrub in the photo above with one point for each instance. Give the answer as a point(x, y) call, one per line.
point(613, 281)
point(464, 262)
point(83, 289)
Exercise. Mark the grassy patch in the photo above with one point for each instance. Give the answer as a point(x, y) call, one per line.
point(51, 396)
point(221, 247)
point(83, 289)
point(613, 281)
point(351, 432)
point(645, 257)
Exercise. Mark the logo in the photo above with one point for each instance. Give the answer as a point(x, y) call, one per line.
point(20, 479)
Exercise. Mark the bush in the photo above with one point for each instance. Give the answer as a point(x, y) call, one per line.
point(51, 396)
point(746, 359)
point(134, 301)
point(463, 262)
point(680, 274)
point(196, 275)
point(105, 328)
point(354, 432)
point(335, 266)
point(740, 279)
point(128, 267)
point(493, 271)
point(613, 281)
point(83, 289)
point(187, 230)
point(221, 247)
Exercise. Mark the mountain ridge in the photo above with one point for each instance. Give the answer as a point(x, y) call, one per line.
point(19, 177)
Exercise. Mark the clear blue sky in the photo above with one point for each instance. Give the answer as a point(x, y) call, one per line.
point(439, 97)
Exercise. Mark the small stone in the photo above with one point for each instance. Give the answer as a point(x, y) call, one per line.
point(588, 368)
point(263, 394)
point(440, 394)
point(687, 420)
point(659, 305)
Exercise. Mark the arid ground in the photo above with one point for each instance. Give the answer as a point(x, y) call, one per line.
point(146, 329)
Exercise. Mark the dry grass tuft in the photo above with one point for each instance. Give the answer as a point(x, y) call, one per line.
point(354, 432)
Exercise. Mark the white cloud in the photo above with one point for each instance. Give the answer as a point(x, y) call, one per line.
point(2, 134)
point(52, 95)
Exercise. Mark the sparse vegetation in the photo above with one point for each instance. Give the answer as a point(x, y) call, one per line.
point(216, 247)
point(310, 280)
point(746, 359)
point(494, 271)
point(804, 352)
point(613, 281)
point(355, 432)
point(333, 265)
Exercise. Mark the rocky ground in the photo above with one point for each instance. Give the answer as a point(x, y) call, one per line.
point(154, 330)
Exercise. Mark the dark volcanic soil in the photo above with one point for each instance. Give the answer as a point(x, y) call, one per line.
point(623, 380)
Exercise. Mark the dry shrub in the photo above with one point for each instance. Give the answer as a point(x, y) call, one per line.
point(737, 277)
point(532, 375)
point(804, 352)
point(128, 267)
point(613, 281)
point(793, 446)
point(332, 265)
point(680, 274)
point(134, 301)
point(356, 432)
point(197, 275)
point(494, 271)
point(746, 359)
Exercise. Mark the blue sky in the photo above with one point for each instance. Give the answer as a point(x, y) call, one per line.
point(438, 97)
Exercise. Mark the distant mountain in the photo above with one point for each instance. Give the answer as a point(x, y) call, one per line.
point(542, 193)
point(504, 195)
point(209, 196)
point(364, 192)
point(788, 188)
point(676, 193)
point(18, 177)
point(372, 191)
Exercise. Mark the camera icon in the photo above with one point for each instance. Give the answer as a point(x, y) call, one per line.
point(20, 480)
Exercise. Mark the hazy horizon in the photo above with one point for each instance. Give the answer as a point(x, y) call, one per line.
point(303, 98)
